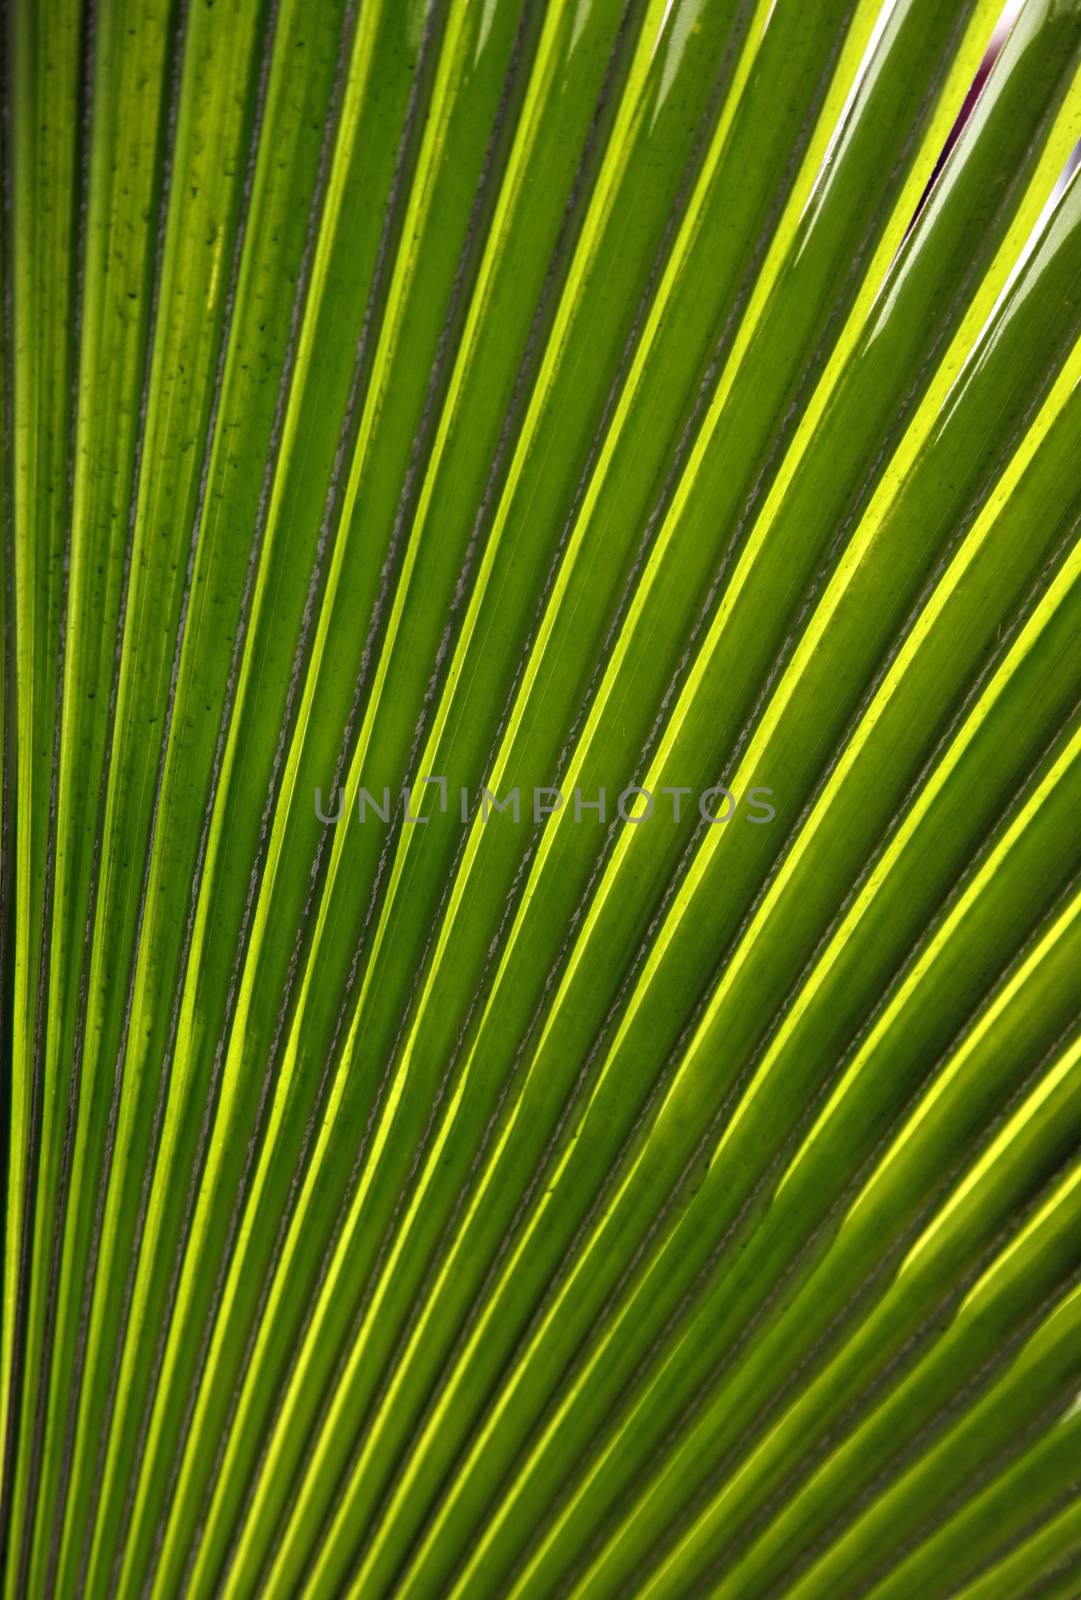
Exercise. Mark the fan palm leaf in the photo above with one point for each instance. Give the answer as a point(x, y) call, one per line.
point(541, 930)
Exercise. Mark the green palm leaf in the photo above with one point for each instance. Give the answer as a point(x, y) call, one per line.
point(423, 1177)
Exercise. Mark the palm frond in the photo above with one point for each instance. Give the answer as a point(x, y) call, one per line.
point(541, 929)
